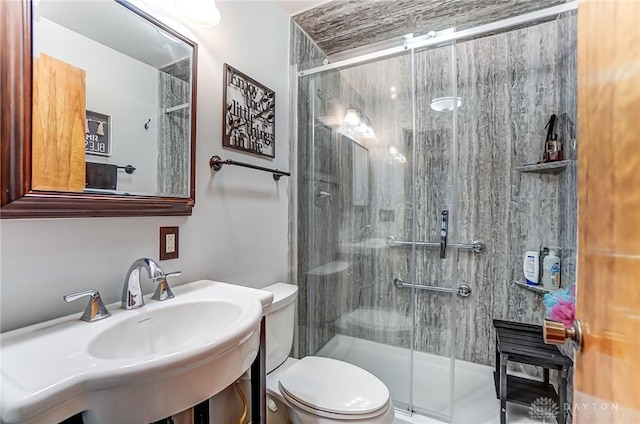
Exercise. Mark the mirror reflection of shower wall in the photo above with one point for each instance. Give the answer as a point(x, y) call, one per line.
point(140, 90)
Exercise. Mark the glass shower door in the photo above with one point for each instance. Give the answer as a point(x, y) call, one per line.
point(360, 190)
point(435, 217)
point(379, 199)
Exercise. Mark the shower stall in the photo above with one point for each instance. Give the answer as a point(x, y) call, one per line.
point(410, 216)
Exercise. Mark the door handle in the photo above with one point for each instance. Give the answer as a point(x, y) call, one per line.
point(554, 332)
point(444, 231)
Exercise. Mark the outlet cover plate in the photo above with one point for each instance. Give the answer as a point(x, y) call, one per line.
point(164, 232)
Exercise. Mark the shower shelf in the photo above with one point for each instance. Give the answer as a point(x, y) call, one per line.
point(536, 289)
point(545, 168)
point(176, 108)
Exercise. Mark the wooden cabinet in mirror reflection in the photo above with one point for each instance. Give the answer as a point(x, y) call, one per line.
point(43, 167)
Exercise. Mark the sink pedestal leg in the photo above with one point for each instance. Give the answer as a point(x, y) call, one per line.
point(259, 381)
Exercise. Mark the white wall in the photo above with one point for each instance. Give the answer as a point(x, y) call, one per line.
point(238, 231)
point(119, 86)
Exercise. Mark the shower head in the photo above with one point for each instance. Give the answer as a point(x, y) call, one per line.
point(444, 104)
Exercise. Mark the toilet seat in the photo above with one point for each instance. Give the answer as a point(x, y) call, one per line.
point(334, 389)
point(326, 414)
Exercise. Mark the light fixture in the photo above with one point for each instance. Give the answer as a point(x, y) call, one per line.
point(202, 12)
point(393, 92)
point(352, 117)
point(358, 125)
point(393, 151)
point(444, 104)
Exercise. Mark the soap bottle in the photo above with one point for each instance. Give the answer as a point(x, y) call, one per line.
point(531, 267)
point(551, 271)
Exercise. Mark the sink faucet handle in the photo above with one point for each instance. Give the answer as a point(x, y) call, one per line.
point(95, 309)
point(163, 291)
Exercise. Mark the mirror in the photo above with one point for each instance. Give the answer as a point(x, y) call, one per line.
point(108, 114)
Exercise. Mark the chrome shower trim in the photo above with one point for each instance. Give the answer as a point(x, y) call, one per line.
point(463, 290)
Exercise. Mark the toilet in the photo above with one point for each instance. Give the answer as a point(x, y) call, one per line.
point(315, 389)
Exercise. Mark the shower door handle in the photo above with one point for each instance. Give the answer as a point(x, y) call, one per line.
point(444, 231)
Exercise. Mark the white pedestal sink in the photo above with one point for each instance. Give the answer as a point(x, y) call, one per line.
point(135, 366)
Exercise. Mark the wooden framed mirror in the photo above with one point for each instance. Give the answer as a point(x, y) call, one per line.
point(91, 175)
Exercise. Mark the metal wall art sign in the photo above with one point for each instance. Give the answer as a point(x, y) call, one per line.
point(249, 114)
point(97, 137)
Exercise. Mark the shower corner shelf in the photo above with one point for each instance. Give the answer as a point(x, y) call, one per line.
point(536, 289)
point(545, 168)
point(176, 108)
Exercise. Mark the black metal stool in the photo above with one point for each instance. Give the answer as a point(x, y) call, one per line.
point(523, 343)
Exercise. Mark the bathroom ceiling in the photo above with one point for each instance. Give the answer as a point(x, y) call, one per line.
point(293, 7)
point(341, 25)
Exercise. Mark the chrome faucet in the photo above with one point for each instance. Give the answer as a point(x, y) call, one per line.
point(132, 292)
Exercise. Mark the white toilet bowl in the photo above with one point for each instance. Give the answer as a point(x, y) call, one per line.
point(323, 390)
point(318, 390)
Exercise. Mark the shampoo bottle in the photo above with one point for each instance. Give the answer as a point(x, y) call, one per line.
point(551, 271)
point(531, 267)
point(544, 252)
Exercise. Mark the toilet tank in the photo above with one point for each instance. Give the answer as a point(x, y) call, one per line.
point(280, 320)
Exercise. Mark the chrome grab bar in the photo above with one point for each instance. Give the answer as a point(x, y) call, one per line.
point(463, 290)
point(477, 246)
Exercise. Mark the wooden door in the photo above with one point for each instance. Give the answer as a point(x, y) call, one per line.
point(607, 374)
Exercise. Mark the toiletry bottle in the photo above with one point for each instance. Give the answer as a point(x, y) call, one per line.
point(558, 153)
point(531, 267)
point(543, 254)
point(552, 149)
point(551, 271)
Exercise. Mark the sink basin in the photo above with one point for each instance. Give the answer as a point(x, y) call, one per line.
point(136, 366)
point(166, 331)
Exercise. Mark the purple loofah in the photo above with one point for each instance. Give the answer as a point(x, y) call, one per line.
point(564, 312)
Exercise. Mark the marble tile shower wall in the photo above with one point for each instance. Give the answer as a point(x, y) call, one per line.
point(567, 191)
point(510, 83)
point(568, 200)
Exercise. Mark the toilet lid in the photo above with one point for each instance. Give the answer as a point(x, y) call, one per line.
point(334, 386)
